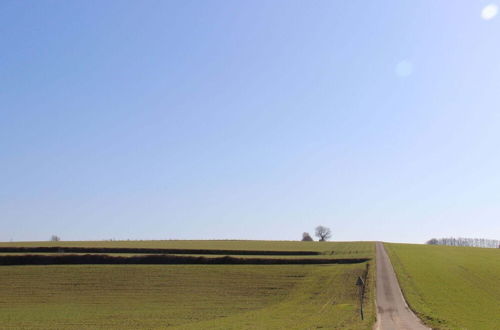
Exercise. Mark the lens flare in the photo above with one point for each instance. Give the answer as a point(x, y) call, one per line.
point(489, 12)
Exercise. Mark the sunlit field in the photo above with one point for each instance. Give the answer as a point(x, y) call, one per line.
point(189, 296)
point(450, 287)
point(337, 249)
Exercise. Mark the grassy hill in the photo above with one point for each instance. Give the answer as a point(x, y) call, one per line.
point(336, 249)
point(450, 287)
point(190, 296)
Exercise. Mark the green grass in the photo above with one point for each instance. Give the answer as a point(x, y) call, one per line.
point(188, 296)
point(339, 249)
point(321, 256)
point(450, 287)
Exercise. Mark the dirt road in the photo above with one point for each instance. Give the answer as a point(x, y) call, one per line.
point(392, 311)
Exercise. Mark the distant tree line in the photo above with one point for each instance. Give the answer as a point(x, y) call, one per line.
point(461, 241)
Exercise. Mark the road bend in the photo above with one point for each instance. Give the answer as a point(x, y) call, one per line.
point(392, 311)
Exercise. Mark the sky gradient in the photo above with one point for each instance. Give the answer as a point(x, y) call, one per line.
point(249, 119)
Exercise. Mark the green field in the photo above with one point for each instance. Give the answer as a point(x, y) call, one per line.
point(332, 250)
point(189, 296)
point(450, 287)
point(336, 249)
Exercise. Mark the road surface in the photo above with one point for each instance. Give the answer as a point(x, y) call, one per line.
point(392, 311)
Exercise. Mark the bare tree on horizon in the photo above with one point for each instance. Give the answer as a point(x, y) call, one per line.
point(323, 233)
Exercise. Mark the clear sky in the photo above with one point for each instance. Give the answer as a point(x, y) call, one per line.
point(249, 119)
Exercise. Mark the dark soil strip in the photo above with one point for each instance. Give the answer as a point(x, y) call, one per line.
point(100, 259)
point(152, 251)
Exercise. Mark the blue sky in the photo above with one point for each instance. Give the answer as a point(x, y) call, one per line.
point(249, 119)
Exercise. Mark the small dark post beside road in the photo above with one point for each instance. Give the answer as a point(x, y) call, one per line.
point(361, 285)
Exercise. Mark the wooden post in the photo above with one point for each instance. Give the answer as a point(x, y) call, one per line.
point(361, 284)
